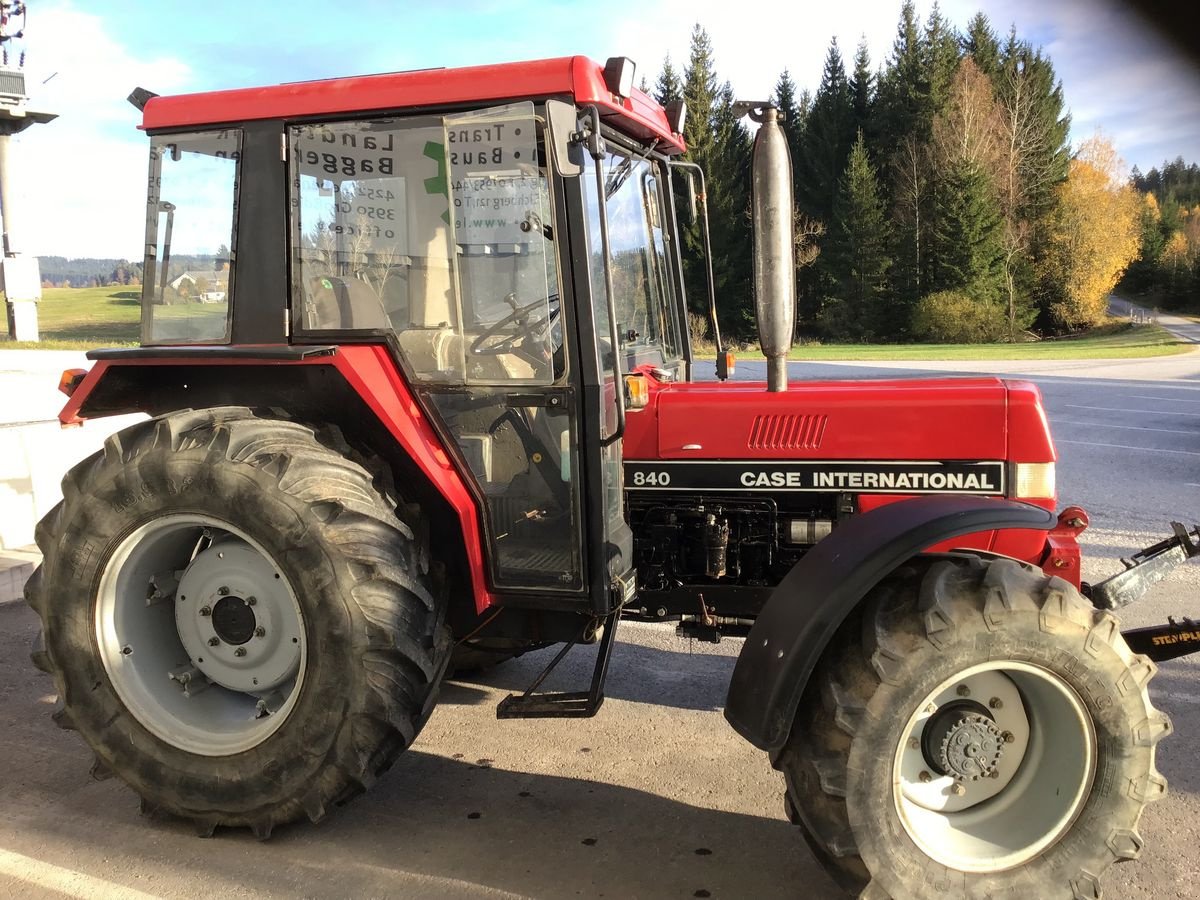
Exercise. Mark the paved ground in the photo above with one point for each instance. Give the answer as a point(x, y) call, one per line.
point(656, 797)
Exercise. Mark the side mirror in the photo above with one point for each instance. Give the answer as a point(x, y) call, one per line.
point(561, 123)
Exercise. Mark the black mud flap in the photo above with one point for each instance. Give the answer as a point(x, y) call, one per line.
point(815, 597)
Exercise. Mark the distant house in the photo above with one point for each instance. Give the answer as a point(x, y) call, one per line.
point(214, 284)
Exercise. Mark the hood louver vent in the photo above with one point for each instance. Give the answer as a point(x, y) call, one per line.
point(787, 432)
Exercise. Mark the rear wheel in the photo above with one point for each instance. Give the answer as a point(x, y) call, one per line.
point(979, 730)
point(237, 621)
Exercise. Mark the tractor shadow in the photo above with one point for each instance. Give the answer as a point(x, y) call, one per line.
point(433, 826)
point(695, 678)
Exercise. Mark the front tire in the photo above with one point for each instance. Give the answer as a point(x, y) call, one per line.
point(976, 730)
point(237, 621)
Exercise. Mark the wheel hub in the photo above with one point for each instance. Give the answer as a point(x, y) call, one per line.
point(971, 748)
point(233, 620)
point(236, 619)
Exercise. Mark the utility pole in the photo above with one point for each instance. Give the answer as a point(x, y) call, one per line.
point(20, 277)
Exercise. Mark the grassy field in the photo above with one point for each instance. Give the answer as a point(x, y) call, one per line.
point(80, 318)
point(1119, 340)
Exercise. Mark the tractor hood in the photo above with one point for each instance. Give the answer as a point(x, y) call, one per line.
point(903, 419)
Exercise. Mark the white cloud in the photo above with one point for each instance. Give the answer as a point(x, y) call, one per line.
point(81, 179)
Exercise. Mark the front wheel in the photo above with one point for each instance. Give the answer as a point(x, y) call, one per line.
point(979, 730)
point(237, 621)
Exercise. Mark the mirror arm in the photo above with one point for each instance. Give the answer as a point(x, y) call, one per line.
point(688, 168)
point(594, 141)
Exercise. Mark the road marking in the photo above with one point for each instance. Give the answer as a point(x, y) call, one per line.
point(1153, 412)
point(64, 881)
point(1058, 421)
point(1126, 447)
point(1065, 381)
point(1163, 399)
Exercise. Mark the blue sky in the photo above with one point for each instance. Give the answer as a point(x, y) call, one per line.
point(81, 179)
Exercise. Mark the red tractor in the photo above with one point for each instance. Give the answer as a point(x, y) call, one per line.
point(421, 395)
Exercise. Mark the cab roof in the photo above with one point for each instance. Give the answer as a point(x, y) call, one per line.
point(576, 77)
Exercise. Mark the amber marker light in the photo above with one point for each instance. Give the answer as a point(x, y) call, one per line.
point(71, 379)
point(637, 392)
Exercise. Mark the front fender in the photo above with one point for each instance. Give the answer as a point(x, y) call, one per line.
point(817, 595)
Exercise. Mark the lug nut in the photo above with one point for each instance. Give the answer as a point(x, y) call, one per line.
point(223, 591)
point(914, 744)
point(250, 601)
point(963, 691)
point(1009, 737)
point(996, 703)
point(240, 651)
point(957, 789)
point(213, 641)
point(126, 650)
point(925, 777)
point(260, 631)
point(995, 773)
point(206, 610)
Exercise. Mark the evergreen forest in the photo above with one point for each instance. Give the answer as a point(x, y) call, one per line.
point(937, 196)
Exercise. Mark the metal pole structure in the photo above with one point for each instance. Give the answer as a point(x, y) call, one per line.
point(20, 279)
point(6, 204)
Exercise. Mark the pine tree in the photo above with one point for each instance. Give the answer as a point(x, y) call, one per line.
point(825, 143)
point(982, 45)
point(862, 90)
point(939, 46)
point(859, 255)
point(729, 180)
point(667, 89)
point(700, 94)
point(968, 253)
point(793, 116)
point(902, 95)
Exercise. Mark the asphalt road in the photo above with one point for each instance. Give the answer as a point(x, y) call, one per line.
point(656, 796)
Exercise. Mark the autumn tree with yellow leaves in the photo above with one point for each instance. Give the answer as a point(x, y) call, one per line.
point(1095, 233)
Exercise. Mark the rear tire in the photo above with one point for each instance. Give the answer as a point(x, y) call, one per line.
point(347, 631)
point(974, 730)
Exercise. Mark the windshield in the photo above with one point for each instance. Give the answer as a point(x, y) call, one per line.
point(435, 229)
point(637, 239)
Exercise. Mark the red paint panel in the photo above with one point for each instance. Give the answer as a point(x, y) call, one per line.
point(961, 418)
point(574, 76)
point(370, 370)
point(1029, 432)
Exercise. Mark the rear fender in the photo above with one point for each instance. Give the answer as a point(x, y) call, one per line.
point(317, 383)
point(816, 596)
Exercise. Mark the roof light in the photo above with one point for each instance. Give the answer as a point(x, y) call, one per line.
point(618, 75)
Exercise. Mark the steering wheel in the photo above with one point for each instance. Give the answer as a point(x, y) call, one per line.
point(515, 327)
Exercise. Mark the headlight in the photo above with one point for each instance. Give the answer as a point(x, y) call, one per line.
point(1033, 480)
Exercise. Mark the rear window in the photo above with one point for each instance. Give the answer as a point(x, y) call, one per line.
point(191, 220)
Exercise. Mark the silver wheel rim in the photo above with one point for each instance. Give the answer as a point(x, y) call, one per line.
point(200, 634)
point(994, 766)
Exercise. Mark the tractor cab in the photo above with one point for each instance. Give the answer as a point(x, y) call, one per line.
point(515, 257)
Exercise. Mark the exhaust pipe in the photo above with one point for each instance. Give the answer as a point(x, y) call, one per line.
point(774, 259)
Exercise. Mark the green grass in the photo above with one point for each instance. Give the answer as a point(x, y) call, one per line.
point(1113, 341)
point(81, 318)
